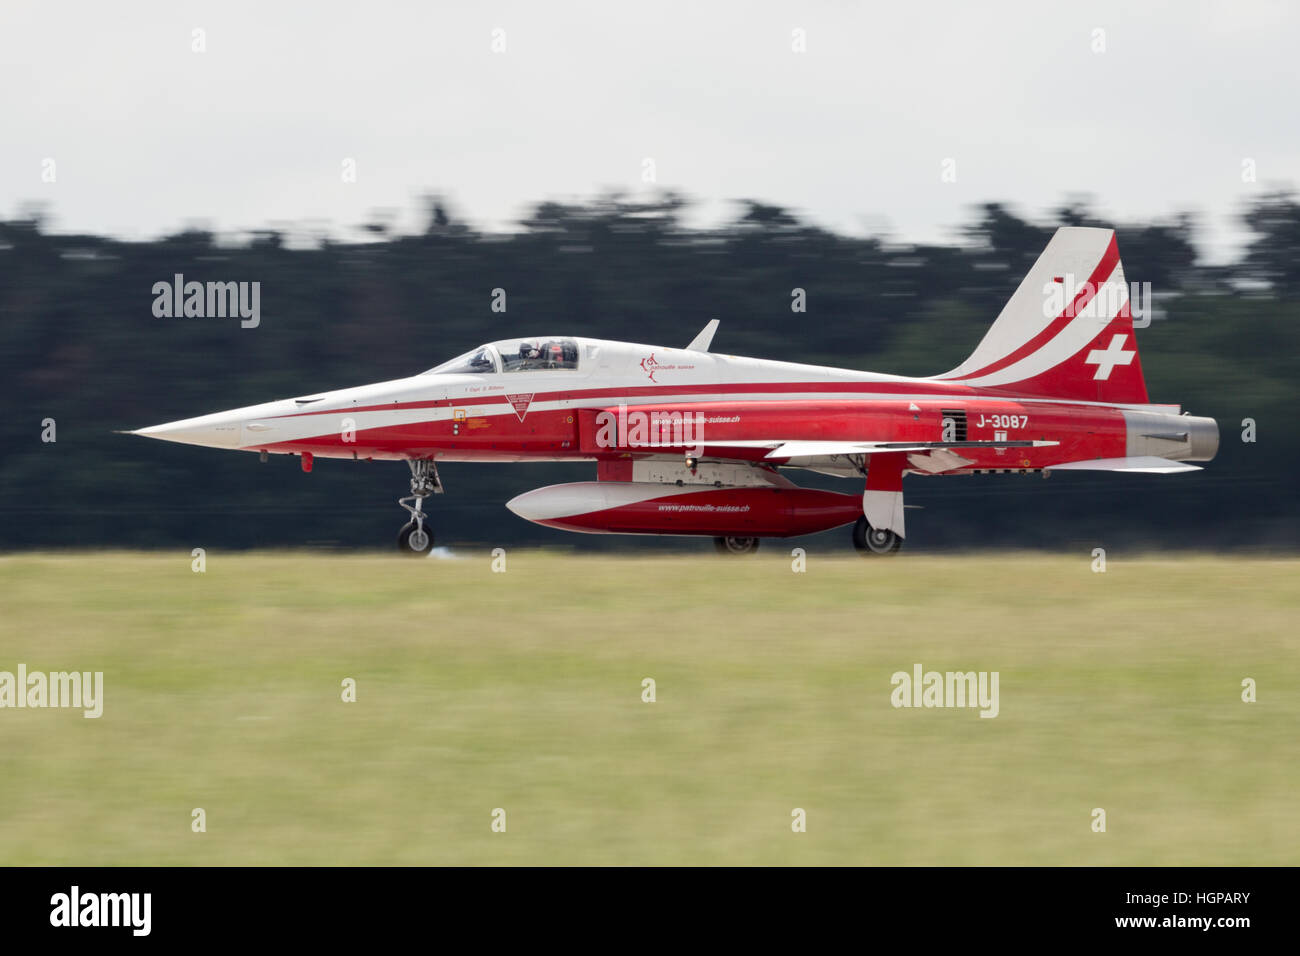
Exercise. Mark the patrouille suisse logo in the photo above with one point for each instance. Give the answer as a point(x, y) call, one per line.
point(652, 367)
point(520, 402)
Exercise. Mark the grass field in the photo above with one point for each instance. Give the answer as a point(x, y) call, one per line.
point(522, 690)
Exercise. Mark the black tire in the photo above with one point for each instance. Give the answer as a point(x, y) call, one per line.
point(408, 542)
point(735, 545)
point(869, 540)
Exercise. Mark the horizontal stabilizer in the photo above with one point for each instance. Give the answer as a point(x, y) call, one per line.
point(1142, 464)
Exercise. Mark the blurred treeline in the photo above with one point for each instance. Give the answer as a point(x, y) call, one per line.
point(82, 346)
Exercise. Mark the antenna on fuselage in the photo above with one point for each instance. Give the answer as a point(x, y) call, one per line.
point(702, 341)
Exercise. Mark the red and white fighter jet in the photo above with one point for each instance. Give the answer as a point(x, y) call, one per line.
point(692, 442)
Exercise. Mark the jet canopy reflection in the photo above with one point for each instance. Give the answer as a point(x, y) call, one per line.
point(513, 355)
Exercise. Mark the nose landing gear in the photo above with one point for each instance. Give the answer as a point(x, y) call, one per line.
point(416, 536)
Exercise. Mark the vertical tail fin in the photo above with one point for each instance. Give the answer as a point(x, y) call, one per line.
point(1067, 332)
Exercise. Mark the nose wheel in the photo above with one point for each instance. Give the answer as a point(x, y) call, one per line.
point(415, 539)
point(416, 536)
point(869, 540)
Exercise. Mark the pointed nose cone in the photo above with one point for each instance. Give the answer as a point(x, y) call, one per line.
point(221, 430)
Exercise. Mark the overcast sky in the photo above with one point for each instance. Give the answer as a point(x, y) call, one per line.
point(148, 135)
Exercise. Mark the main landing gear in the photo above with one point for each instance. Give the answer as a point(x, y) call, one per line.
point(869, 540)
point(416, 536)
point(733, 545)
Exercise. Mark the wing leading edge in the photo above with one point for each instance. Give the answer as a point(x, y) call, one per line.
point(789, 450)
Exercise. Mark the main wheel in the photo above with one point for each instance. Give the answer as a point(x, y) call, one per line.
point(869, 540)
point(735, 545)
point(415, 540)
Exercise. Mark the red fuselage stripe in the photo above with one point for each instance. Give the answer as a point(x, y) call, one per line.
point(723, 389)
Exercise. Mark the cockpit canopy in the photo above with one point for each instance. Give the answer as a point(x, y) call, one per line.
point(513, 355)
point(480, 359)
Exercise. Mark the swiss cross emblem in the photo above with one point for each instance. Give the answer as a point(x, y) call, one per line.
point(520, 402)
point(1106, 359)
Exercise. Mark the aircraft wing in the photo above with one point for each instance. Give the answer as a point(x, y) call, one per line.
point(1139, 464)
point(795, 449)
